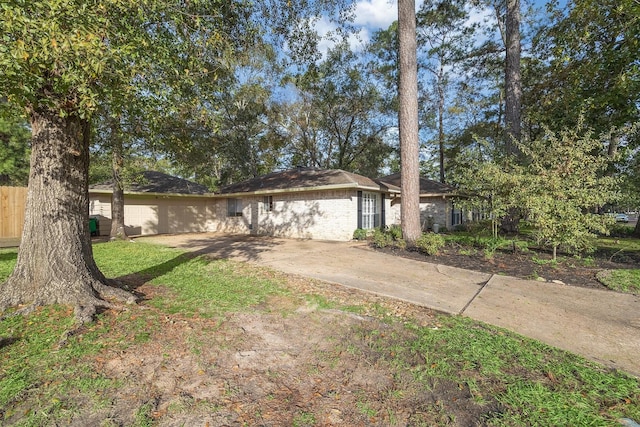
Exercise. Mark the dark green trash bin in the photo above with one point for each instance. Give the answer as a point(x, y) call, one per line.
point(94, 226)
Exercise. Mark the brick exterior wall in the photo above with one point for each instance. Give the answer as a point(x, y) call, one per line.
point(326, 215)
point(437, 208)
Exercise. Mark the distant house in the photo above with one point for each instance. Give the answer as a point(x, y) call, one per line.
point(307, 203)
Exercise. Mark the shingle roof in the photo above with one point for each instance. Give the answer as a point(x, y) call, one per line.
point(305, 178)
point(157, 182)
point(427, 186)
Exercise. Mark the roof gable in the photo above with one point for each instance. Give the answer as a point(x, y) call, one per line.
point(305, 179)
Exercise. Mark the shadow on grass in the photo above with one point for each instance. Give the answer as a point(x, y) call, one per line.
point(8, 256)
point(133, 281)
point(242, 247)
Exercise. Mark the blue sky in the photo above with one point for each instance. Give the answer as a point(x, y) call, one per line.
point(371, 15)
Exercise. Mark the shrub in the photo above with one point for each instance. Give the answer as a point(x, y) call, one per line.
point(381, 239)
point(360, 234)
point(395, 232)
point(621, 230)
point(430, 243)
point(492, 245)
point(392, 236)
point(478, 228)
point(400, 244)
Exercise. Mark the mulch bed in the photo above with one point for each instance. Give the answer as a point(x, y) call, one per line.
point(528, 265)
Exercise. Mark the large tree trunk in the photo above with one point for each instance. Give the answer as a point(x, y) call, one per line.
point(118, 231)
point(408, 122)
point(55, 261)
point(513, 81)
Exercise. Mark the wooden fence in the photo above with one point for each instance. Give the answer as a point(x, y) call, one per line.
point(12, 206)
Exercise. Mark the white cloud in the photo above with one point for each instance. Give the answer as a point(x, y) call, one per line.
point(326, 29)
point(376, 13)
point(369, 15)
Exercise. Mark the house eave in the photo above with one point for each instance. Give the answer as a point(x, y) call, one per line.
point(436, 195)
point(146, 194)
point(265, 192)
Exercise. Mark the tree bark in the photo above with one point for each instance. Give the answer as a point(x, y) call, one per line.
point(513, 80)
point(118, 231)
point(441, 120)
point(55, 262)
point(513, 98)
point(408, 122)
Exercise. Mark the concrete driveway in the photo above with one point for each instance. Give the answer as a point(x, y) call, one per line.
point(603, 326)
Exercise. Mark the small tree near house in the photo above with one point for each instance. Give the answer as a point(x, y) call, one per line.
point(565, 182)
point(558, 188)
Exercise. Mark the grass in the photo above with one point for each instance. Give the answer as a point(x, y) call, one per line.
point(627, 244)
point(534, 384)
point(627, 281)
point(620, 280)
point(34, 366)
point(198, 287)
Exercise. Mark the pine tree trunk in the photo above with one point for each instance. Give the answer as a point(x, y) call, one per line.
point(55, 261)
point(441, 121)
point(118, 231)
point(513, 99)
point(408, 123)
point(513, 80)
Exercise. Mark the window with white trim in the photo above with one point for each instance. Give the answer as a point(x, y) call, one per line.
point(370, 214)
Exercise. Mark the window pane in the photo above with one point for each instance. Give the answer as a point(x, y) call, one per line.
point(234, 207)
point(369, 210)
point(231, 207)
point(267, 203)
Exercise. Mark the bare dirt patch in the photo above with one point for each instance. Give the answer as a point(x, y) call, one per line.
point(289, 362)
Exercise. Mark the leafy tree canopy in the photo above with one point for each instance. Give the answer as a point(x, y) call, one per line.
point(69, 56)
point(593, 69)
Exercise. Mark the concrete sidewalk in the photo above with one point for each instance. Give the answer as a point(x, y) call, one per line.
point(603, 326)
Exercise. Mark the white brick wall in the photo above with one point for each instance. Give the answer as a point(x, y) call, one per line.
point(326, 215)
point(436, 207)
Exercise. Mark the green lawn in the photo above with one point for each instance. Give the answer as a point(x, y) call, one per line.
point(627, 244)
point(45, 383)
point(627, 280)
